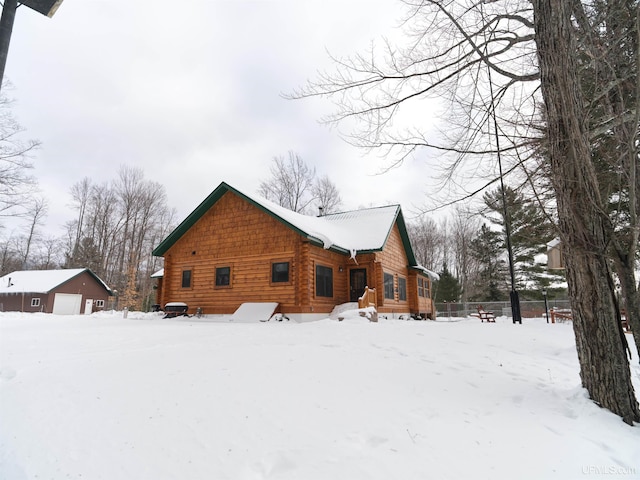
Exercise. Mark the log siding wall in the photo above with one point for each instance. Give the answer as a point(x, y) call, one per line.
point(393, 260)
point(237, 234)
point(234, 234)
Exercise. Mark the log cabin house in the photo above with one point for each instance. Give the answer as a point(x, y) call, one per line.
point(236, 248)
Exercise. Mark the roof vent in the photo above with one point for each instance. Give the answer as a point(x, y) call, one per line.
point(320, 211)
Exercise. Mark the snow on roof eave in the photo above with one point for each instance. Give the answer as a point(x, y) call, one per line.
point(553, 243)
point(432, 275)
point(158, 274)
point(336, 248)
point(315, 229)
point(24, 280)
point(65, 275)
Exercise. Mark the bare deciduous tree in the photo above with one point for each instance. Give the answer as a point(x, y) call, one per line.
point(37, 213)
point(80, 196)
point(326, 195)
point(117, 226)
point(463, 229)
point(16, 182)
point(48, 256)
point(291, 183)
point(427, 241)
point(9, 256)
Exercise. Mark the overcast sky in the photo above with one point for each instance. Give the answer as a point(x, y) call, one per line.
point(190, 91)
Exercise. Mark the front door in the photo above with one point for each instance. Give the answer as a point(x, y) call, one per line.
point(357, 282)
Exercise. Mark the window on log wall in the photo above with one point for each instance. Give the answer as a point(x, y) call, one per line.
point(223, 276)
point(388, 286)
point(280, 272)
point(324, 281)
point(186, 279)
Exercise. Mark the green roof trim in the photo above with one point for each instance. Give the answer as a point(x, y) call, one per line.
point(209, 202)
point(223, 188)
point(404, 235)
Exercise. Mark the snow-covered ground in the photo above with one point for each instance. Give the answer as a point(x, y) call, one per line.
point(107, 397)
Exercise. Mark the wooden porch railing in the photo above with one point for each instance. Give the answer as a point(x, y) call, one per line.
point(368, 298)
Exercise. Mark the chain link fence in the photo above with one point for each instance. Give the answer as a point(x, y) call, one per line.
point(528, 308)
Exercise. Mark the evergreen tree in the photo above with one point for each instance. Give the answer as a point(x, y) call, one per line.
point(490, 280)
point(531, 230)
point(447, 289)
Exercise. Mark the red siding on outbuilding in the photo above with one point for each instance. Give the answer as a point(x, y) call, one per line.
point(84, 284)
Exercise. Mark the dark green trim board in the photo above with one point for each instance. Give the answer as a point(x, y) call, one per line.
point(204, 207)
point(223, 188)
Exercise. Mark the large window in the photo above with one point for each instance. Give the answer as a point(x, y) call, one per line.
point(280, 272)
point(388, 286)
point(402, 288)
point(186, 279)
point(423, 287)
point(35, 302)
point(223, 276)
point(324, 281)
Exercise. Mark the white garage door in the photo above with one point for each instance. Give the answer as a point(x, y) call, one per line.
point(67, 304)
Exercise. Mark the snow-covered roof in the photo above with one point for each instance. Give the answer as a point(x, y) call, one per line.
point(41, 281)
point(433, 275)
point(350, 232)
point(553, 243)
point(354, 231)
point(158, 274)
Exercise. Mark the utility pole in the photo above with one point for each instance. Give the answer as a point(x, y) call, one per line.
point(516, 315)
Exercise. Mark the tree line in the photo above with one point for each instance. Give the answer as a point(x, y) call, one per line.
point(116, 226)
point(468, 250)
point(118, 223)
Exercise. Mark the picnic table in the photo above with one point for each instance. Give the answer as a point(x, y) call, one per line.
point(485, 315)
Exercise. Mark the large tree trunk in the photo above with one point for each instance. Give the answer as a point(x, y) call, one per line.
point(631, 296)
point(584, 228)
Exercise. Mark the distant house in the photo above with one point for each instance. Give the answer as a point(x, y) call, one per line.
point(236, 248)
point(63, 292)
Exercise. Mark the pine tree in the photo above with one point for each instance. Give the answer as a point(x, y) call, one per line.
point(490, 280)
point(531, 230)
point(447, 289)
